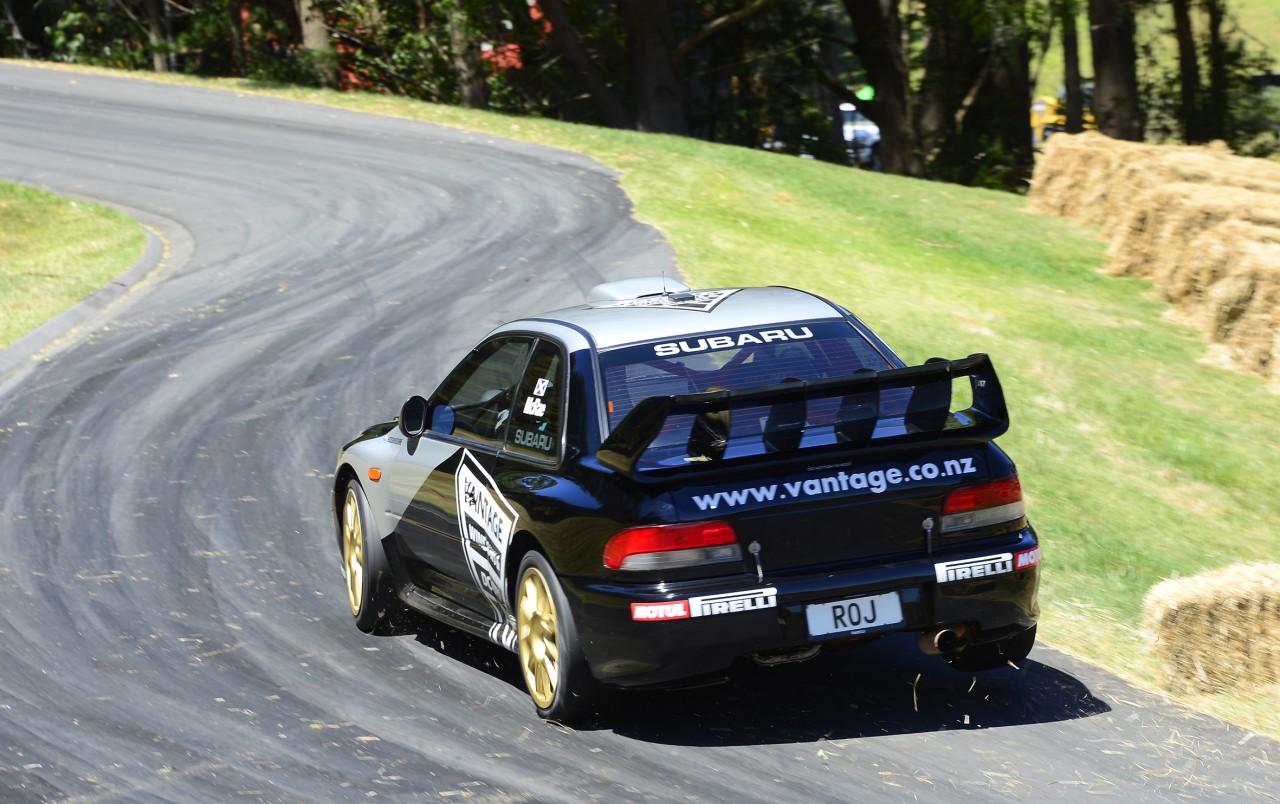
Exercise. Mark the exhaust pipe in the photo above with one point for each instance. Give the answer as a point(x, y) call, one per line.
point(945, 640)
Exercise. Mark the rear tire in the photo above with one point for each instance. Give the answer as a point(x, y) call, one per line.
point(555, 672)
point(370, 591)
point(994, 655)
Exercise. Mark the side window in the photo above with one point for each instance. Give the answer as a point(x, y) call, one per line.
point(535, 421)
point(480, 390)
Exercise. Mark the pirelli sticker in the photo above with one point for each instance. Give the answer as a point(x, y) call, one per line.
point(706, 605)
point(970, 568)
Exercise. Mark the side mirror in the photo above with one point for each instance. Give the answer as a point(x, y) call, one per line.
point(413, 417)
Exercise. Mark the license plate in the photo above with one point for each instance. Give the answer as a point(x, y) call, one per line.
point(855, 615)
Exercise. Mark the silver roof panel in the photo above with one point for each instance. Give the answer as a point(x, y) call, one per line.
point(619, 322)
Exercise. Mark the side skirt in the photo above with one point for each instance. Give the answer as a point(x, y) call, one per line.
point(444, 610)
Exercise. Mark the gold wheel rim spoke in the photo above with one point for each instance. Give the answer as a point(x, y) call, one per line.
point(353, 550)
point(539, 648)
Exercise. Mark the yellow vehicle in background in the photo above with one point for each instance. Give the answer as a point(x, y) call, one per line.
point(1049, 114)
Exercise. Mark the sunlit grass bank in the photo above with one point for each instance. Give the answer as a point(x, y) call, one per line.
point(55, 252)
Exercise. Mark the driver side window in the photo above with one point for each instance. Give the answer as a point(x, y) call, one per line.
point(480, 390)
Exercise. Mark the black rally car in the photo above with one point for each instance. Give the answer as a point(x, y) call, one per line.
point(639, 490)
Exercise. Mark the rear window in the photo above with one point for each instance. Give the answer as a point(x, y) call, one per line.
point(737, 360)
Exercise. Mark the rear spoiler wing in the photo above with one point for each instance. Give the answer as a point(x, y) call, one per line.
point(928, 415)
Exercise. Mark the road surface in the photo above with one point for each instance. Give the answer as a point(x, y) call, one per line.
point(172, 619)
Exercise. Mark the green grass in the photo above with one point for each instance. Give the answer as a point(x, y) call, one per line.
point(1140, 462)
point(55, 252)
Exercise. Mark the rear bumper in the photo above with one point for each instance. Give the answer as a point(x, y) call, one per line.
point(700, 629)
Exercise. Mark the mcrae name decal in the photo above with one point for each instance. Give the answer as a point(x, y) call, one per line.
point(693, 345)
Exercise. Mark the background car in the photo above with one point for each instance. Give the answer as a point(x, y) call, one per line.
point(641, 490)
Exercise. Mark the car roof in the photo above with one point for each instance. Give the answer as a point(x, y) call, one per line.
point(612, 319)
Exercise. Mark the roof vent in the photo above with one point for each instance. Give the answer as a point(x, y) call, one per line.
point(635, 288)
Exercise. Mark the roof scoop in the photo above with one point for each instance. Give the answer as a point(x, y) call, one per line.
point(636, 288)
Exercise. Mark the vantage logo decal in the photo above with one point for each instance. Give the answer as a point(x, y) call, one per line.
point(706, 605)
point(486, 521)
point(702, 301)
point(969, 568)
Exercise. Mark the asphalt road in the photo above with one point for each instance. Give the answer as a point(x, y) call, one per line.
point(172, 618)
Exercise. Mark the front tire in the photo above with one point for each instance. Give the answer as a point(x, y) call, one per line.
point(370, 592)
point(994, 655)
point(555, 672)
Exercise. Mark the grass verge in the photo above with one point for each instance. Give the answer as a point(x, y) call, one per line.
point(55, 252)
point(1140, 462)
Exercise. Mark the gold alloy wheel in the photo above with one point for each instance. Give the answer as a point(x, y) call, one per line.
point(353, 549)
point(539, 651)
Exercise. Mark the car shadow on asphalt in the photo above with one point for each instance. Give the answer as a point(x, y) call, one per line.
point(884, 688)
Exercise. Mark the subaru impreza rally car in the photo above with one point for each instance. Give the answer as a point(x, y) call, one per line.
point(642, 489)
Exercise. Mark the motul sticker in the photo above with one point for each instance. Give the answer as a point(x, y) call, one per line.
point(668, 610)
point(1027, 558)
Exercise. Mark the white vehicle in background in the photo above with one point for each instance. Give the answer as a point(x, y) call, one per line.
point(861, 138)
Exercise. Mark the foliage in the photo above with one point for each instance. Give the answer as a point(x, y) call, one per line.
point(89, 32)
point(771, 76)
point(1251, 110)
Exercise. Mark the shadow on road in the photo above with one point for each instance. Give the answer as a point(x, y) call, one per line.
point(884, 688)
point(881, 689)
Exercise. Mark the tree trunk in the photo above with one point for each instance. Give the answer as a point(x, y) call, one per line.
point(1189, 73)
point(465, 51)
point(610, 106)
point(1216, 109)
point(29, 29)
point(878, 29)
point(237, 37)
point(1068, 18)
point(1005, 105)
point(156, 38)
point(315, 39)
point(1115, 94)
point(658, 93)
point(315, 33)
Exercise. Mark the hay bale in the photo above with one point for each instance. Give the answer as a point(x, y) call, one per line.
point(1157, 232)
point(1072, 177)
point(1217, 631)
point(1094, 179)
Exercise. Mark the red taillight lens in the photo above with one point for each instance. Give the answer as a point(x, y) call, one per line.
point(663, 546)
point(979, 506)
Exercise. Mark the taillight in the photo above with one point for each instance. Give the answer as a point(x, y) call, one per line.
point(665, 546)
point(979, 506)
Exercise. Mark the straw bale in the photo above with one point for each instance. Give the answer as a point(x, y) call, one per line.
point(1217, 631)
point(1160, 225)
point(1198, 222)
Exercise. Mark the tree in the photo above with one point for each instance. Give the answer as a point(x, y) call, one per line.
point(1068, 18)
point(1188, 72)
point(657, 92)
point(1115, 58)
point(878, 28)
point(27, 20)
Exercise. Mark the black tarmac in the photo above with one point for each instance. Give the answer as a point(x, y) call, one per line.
point(173, 625)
